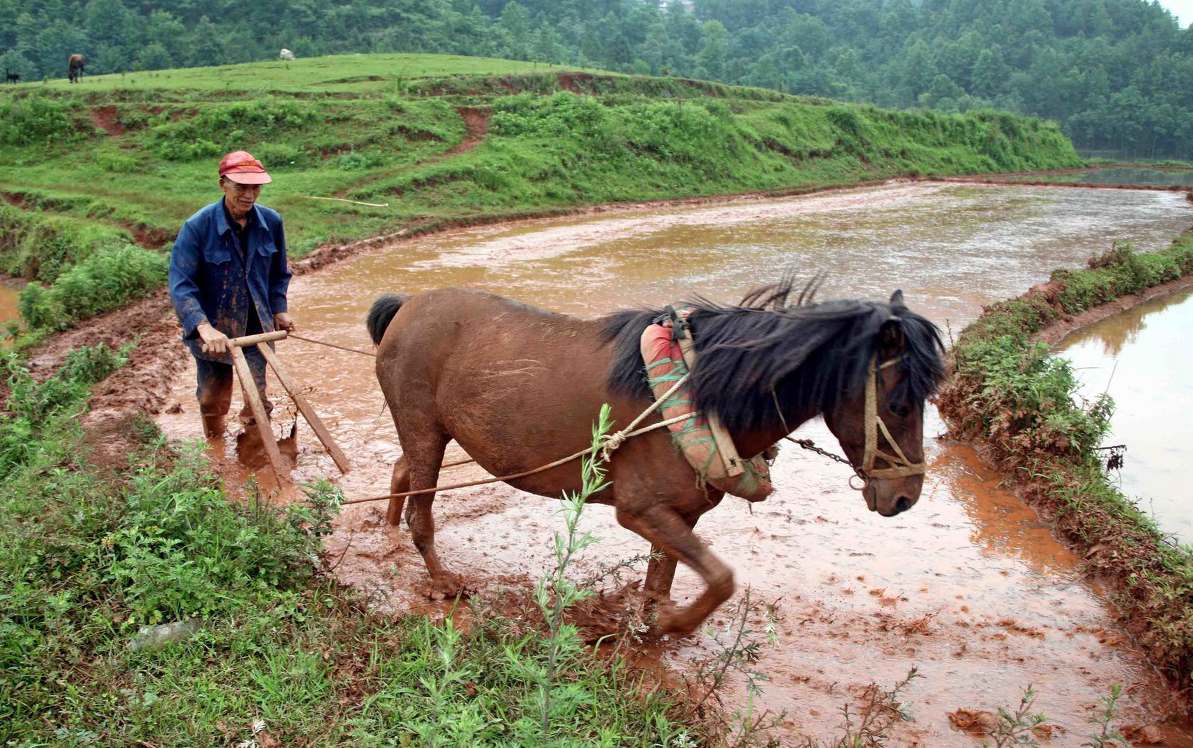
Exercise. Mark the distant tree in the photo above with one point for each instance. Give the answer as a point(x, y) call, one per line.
point(990, 74)
point(515, 22)
point(203, 46)
point(15, 62)
point(110, 26)
point(714, 52)
point(153, 57)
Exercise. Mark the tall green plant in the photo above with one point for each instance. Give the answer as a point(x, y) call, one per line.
point(555, 593)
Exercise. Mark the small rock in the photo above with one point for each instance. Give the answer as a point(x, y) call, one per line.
point(149, 637)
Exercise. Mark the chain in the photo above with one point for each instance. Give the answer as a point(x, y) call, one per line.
point(809, 445)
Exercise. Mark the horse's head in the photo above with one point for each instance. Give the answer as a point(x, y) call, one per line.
point(880, 420)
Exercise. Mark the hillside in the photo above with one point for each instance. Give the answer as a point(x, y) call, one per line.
point(424, 140)
point(1114, 73)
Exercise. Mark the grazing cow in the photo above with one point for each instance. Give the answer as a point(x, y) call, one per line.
point(12, 77)
point(74, 67)
point(285, 54)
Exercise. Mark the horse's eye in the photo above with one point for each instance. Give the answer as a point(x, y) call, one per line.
point(899, 410)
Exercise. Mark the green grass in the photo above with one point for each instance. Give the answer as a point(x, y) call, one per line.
point(356, 73)
point(1009, 393)
point(133, 156)
point(280, 651)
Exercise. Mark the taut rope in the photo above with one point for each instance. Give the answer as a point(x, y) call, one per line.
point(607, 446)
point(901, 467)
point(331, 345)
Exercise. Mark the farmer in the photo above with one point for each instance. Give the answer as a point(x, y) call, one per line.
point(228, 278)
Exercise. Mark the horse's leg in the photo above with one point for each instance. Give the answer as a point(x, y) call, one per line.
point(660, 573)
point(667, 529)
point(660, 570)
point(424, 462)
point(399, 483)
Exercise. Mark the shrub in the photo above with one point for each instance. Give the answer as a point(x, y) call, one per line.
point(109, 278)
point(218, 129)
point(40, 309)
point(39, 120)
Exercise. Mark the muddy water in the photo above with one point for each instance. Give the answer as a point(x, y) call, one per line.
point(1142, 357)
point(10, 292)
point(1121, 175)
point(969, 586)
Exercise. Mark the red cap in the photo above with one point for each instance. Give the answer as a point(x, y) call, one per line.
point(242, 168)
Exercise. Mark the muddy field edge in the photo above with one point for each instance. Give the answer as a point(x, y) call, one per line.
point(1044, 446)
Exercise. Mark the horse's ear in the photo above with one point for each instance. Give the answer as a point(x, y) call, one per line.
point(890, 338)
point(897, 300)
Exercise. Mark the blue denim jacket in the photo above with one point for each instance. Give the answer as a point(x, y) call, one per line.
point(210, 282)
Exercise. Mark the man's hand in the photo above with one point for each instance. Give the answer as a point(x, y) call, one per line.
point(214, 341)
point(282, 321)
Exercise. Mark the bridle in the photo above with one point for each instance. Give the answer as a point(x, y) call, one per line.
point(900, 466)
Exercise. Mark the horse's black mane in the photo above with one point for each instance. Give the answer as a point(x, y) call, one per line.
point(806, 354)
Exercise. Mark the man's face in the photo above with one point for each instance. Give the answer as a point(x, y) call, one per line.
point(239, 197)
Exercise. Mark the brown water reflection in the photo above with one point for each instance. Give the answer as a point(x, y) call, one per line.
point(1142, 357)
point(969, 586)
point(10, 293)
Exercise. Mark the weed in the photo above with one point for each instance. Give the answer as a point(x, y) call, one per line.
point(277, 653)
point(1018, 727)
point(556, 593)
point(869, 726)
point(1107, 735)
point(737, 647)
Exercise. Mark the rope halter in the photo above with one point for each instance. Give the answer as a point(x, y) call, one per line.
point(900, 466)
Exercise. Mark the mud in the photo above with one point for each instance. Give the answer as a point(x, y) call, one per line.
point(10, 294)
point(969, 586)
point(141, 387)
point(476, 123)
point(107, 118)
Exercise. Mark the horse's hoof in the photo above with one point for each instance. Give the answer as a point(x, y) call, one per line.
point(670, 620)
point(447, 587)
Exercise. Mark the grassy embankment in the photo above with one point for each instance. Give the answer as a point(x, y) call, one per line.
point(279, 654)
point(125, 159)
point(1009, 393)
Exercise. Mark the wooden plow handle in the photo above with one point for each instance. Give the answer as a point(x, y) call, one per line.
point(258, 407)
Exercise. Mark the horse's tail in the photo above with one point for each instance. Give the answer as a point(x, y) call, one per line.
point(381, 313)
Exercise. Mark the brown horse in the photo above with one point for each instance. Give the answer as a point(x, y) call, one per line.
point(518, 387)
point(74, 67)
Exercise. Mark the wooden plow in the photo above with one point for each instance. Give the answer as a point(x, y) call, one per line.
point(253, 397)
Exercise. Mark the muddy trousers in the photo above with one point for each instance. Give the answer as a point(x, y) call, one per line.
point(214, 391)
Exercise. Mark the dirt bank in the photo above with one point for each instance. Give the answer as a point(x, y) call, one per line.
point(1034, 445)
point(1055, 333)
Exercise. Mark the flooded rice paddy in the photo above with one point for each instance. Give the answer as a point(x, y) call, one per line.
point(1168, 177)
point(1142, 357)
point(969, 586)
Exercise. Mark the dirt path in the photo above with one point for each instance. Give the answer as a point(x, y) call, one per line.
point(476, 126)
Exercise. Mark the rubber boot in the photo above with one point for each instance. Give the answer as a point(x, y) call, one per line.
point(213, 427)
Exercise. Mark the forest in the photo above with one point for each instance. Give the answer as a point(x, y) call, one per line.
point(1116, 74)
